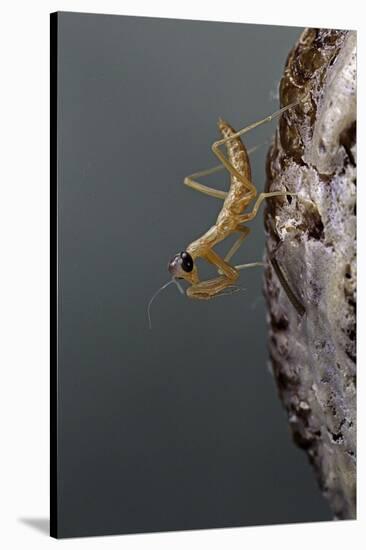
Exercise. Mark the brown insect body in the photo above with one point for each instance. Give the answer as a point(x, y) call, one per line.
point(238, 196)
point(227, 221)
point(231, 218)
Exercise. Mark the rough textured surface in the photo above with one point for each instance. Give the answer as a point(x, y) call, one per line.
point(313, 238)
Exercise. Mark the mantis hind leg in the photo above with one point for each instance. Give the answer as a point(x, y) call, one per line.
point(220, 155)
point(251, 215)
point(225, 163)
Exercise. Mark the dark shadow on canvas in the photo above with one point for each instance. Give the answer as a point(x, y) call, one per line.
point(40, 524)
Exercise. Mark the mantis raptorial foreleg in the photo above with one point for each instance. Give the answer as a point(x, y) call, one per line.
point(212, 287)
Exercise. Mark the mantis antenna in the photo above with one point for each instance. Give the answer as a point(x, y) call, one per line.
point(172, 280)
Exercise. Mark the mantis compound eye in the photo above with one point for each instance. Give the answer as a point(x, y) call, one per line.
point(181, 263)
point(187, 261)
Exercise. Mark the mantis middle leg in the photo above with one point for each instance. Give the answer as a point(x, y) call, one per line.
point(244, 233)
point(191, 182)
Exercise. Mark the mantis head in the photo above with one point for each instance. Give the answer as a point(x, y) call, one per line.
point(181, 266)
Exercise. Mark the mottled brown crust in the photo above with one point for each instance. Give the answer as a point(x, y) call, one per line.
point(306, 68)
point(313, 237)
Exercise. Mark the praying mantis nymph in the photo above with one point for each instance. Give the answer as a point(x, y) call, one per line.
point(231, 219)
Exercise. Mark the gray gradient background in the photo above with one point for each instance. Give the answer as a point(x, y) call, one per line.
point(179, 427)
